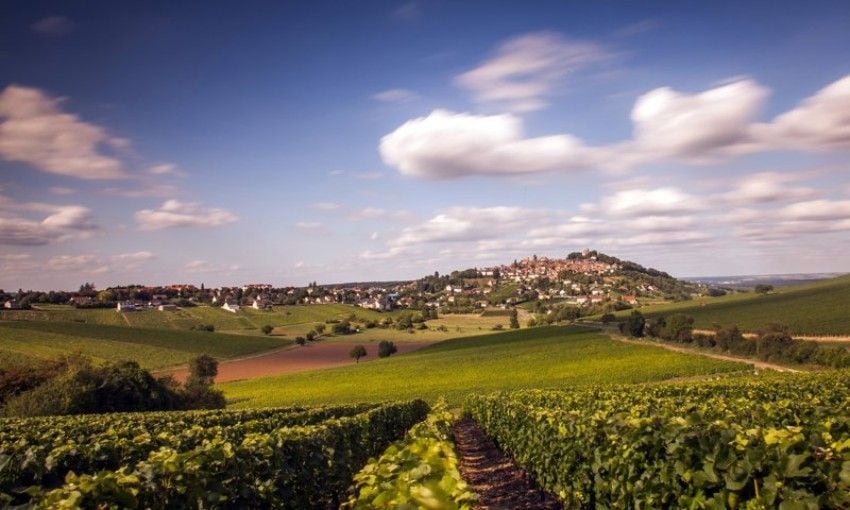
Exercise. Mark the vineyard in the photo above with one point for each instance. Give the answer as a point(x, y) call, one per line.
point(731, 443)
point(197, 459)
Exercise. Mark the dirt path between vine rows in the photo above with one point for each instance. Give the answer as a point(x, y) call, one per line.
point(495, 477)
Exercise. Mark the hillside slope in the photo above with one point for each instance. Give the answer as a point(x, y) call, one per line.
point(821, 308)
point(22, 341)
point(530, 358)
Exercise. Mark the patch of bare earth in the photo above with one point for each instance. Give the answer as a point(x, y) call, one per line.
point(495, 477)
point(293, 359)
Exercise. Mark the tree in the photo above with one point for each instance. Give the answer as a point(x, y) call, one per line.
point(386, 349)
point(679, 328)
point(300, 340)
point(635, 324)
point(357, 352)
point(763, 289)
point(514, 319)
point(320, 328)
point(267, 329)
point(608, 318)
point(202, 370)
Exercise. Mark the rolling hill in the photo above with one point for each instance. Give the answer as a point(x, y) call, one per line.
point(545, 357)
point(820, 308)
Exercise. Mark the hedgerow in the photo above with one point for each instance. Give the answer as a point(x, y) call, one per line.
point(419, 471)
point(730, 444)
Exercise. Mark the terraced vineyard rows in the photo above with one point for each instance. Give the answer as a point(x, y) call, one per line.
point(160, 460)
point(726, 444)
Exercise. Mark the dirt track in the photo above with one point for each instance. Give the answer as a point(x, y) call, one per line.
point(495, 477)
point(296, 359)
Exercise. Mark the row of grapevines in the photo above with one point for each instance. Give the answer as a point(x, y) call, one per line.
point(420, 471)
point(735, 443)
point(42, 456)
point(297, 467)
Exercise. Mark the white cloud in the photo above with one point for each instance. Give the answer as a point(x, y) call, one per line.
point(820, 122)
point(698, 126)
point(767, 187)
point(174, 213)
point(204, 266)
point(164, 169)
point(53, 26)
point(525, 70)
point(647, 202)
point(814, 210)
point(35, 130)
point(56, 223)
point(70, 262)
point(446, 144)
point(132, 260)
point(701, 128)
point(396, 96)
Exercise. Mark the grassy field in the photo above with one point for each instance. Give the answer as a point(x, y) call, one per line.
point(446, 327)
point(552, 357)
point(821, 308)
point(247, 320)
point(22, 341)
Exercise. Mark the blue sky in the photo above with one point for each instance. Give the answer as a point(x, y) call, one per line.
point(338, 141)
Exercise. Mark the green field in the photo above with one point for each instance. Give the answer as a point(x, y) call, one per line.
point(247, 320)
point(22, 341)
point(551, 357)
point(821, 308)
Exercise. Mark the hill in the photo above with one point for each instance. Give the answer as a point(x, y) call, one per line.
point(24, 341)
point(820, 308)
point(545, 357)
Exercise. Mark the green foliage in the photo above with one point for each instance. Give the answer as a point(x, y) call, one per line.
point(386, 349)
point(291, 467)
point(267, 329)
point(357, 352)
point(420, 471)
point(607, 318)
point(634, 324)
point(514, 319)
point(763, 289)
point(84, 388)
point(42, 451)
point(300, 340)
point(779, 442)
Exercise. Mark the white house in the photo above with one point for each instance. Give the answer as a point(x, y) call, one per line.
point(230, 306)
point(11, 305)
point(126, 306)
point(261, 303)
point(166, 307)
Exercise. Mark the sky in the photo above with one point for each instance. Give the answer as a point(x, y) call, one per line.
point(287, 142)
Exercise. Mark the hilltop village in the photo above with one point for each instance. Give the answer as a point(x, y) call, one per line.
point(581, 279)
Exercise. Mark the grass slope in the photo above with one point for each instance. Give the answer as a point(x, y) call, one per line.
point(246, 320)
point(21, 341)
point(821, 308)
point(531, 358)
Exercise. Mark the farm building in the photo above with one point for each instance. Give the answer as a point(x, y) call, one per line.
point(166, 307)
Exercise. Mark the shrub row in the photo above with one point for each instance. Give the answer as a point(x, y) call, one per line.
point(734, 444)
point(43, 451)
point(297, 467)
point(420, 471)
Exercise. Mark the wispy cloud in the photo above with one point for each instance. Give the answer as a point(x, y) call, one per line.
point(53, 26)
point(174, 213)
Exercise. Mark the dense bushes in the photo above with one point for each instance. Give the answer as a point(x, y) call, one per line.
point(780, 442)
point(78, 386)
point(291, 468)
point(773, 343)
